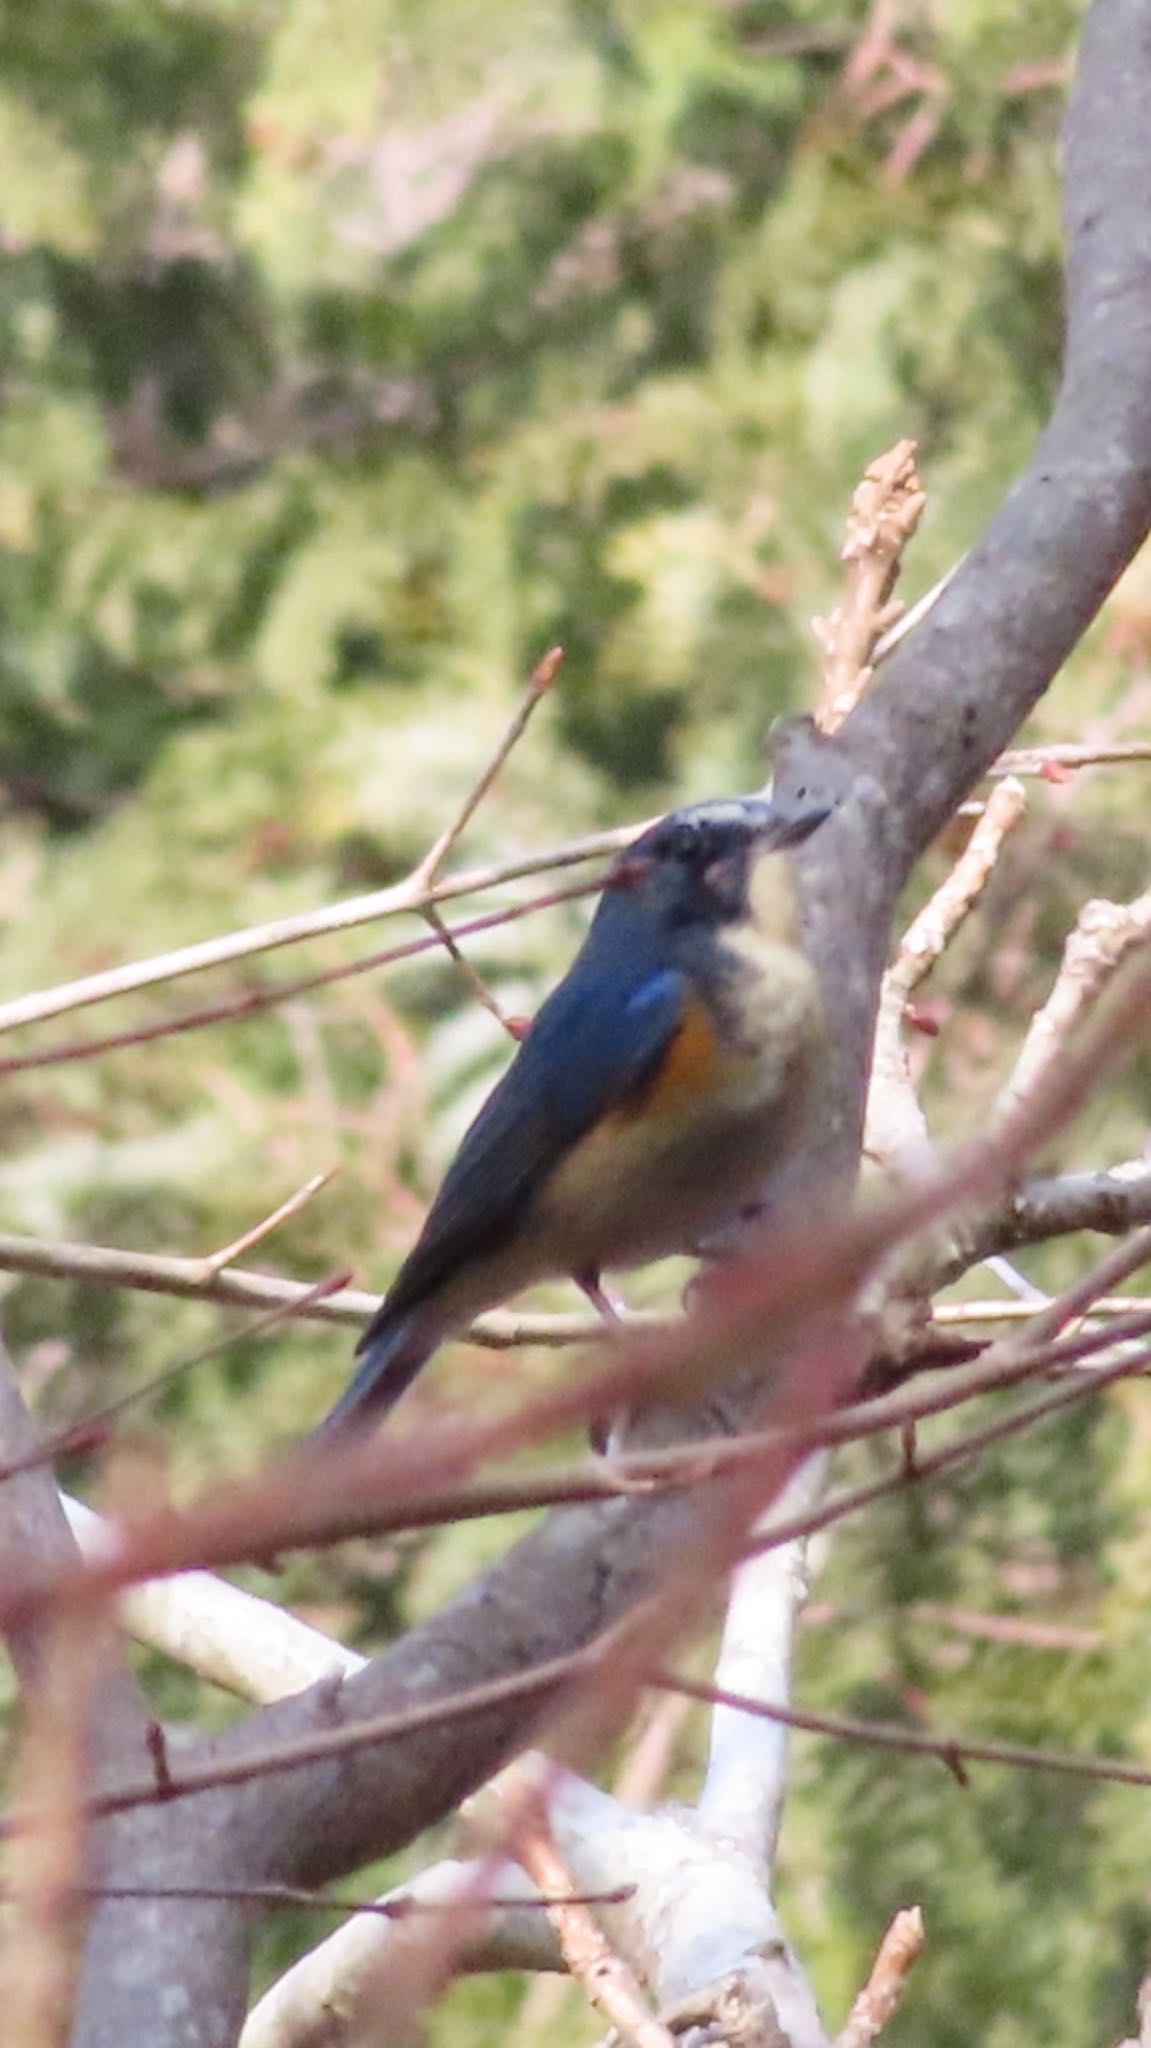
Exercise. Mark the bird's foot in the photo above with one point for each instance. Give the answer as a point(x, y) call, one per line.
point(608, 1308)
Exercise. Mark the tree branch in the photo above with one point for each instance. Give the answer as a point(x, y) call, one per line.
point(236, 1287)
point(232, 1638)
point(743, 1790)
point(1104, 935)
point(324, 1999)
point(412, 894)
point(1111, 1200)
point(896, 1132)
point(879, 2000)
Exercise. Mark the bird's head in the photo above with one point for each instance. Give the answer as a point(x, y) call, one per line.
point(695, 867)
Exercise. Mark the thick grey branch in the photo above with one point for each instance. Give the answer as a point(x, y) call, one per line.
point(1111, 1201)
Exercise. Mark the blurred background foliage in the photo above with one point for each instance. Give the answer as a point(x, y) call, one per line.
point(351, 353)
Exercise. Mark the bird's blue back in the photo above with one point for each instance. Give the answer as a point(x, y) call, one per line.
point(597, 1037)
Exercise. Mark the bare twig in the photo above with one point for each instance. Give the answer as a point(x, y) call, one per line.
point(919, 1469)
point(1048, 1317)
point(949, 1749)
point(1065, 754)
point(936, 924)
point(611, 1987)
point(472, 977)
point(538, 1682)
point(879, 2000)
point(409, 895)
point(1104, 936)
point(914, 616)
point(896, 1132)
point(1111, 1200)
point(217, 1261)
point(885, 511)
point(644, 1771)
point(404, 1904)
point(93, 1429)
point(539, 683)
point(1044, 75)
point(951, 1314)
point(193, 1279)
point(1118, 1265)
point(230, 1008)
point(1017, 1629)
point(320, 2000)
point(661, 1722)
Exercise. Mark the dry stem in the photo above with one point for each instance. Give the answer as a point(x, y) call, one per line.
point(250, 1001)
point(885, 511)
point(951, 1750)
point(1104, 935)
point(538, 1682)
point(877, 2003)
point(1063, 754)
point(897, 1132)
point(217, 1261)
point(193, 1279)
point(419, 891)
point(611, 1986)
point(408, 895)
point(539, 683)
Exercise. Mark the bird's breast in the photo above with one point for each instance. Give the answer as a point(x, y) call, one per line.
point(704, 1129)
point(748, 1029)
point(767, 1003)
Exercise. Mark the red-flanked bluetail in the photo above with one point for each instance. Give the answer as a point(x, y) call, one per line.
point(658, 1089)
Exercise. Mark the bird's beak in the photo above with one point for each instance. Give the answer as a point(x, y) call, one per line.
point(791, 827)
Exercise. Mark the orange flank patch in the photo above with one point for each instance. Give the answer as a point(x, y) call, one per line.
point(692, 1065)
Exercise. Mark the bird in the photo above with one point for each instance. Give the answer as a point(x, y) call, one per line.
point(674, 1068)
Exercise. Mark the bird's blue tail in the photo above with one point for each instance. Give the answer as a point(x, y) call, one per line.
point(391, 1354)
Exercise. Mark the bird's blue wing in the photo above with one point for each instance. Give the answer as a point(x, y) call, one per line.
point(597, 1038)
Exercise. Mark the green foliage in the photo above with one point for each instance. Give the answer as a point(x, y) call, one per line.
point(354, 351)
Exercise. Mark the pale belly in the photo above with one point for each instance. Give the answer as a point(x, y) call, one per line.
point(627, 1194)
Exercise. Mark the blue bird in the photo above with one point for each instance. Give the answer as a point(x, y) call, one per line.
point(672, 1070)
